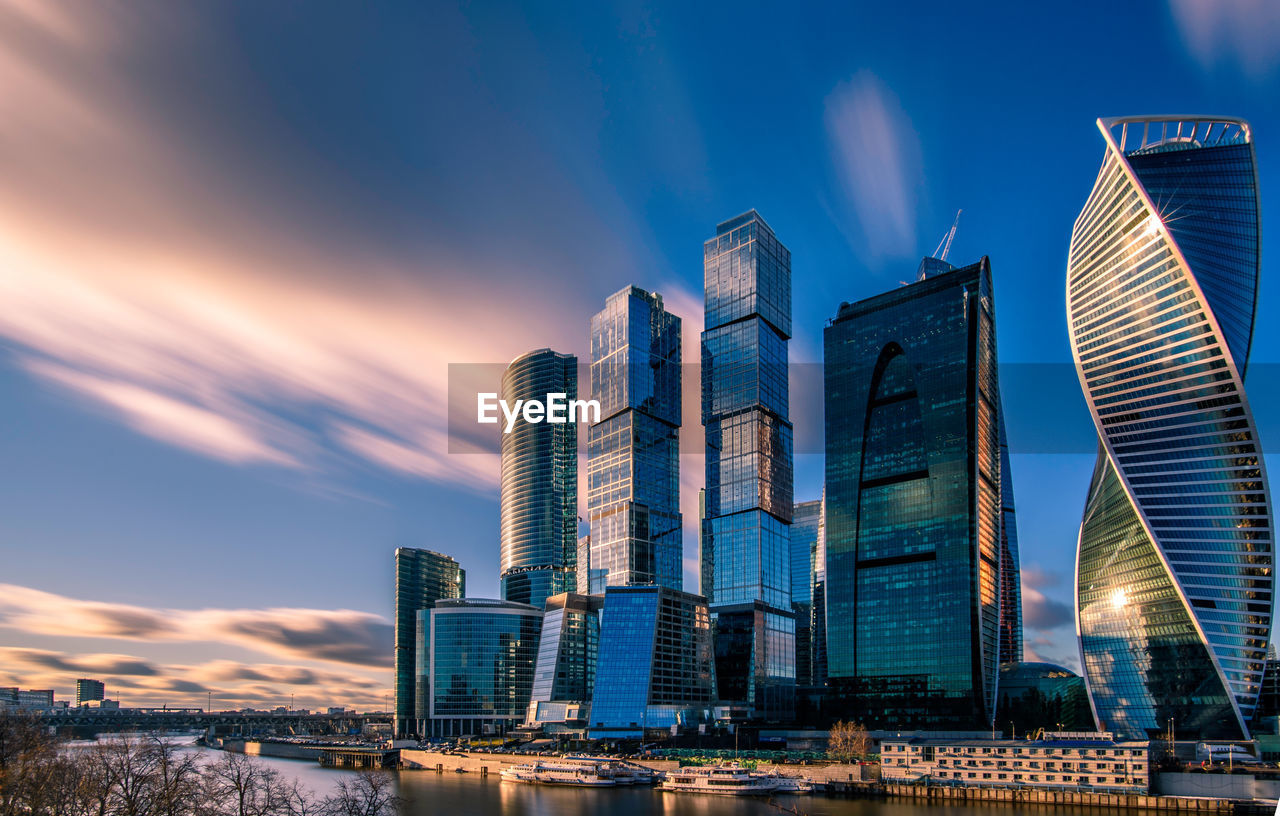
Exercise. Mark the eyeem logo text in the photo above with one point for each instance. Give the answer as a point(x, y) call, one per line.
point(556, 409)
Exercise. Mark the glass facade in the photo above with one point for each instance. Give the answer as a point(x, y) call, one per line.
point(566, 666)
point(477, 665)
point(1174, 583)
point(422, 578)
point(1010, 572)
point(656, 666)
point(747, 505)
point(806, 528)
point(539, 485)
point(913, 505)
point(633, 452)
point(1042, 695)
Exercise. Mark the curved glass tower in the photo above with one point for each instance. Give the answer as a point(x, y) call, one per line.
point(539, 484)
point(1174, 567)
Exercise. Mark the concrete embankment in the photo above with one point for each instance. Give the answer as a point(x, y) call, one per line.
point(485, 764)
point(1033, 796)
point(283, 750)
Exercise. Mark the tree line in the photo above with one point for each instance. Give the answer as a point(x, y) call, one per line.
point(145, 776)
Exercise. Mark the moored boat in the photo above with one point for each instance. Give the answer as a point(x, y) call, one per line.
point(721, 780)
point(576, 774)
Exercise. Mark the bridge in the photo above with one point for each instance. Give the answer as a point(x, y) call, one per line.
point(86, 721)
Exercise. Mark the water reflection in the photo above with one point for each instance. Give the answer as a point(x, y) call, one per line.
point(452, 794)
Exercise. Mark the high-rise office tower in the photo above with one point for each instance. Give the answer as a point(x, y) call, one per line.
point(422, 578)
point(746, 538)
point(1174, 573)
point(538, 524)
point(88, 690)
point(633, 451)
point(806, 527)
point(913, 510)
point(1010, 571)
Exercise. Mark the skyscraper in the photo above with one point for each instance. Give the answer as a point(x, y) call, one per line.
point(633, 464)
point(913, 515)
point(1010, 571)
point(539, 484)
point(422, 578)
point(746, 539)
point(806, 527)
point(1174, 581)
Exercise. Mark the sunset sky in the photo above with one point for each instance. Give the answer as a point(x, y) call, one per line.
point(241, 243)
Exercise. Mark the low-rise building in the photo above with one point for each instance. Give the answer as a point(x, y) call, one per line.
point(17, 699)
point(1078, 761)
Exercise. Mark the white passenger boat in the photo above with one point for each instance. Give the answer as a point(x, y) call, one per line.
point(623, 772)
point(577, 774)
point(722, 780)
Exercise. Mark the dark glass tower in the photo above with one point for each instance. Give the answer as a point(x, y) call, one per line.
point(633, 464)
point(746, 537)
point(422, 578)
point(1175, 568)
point(914, 509)
point(539, 484)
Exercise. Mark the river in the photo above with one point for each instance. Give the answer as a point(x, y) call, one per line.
point(430, 794)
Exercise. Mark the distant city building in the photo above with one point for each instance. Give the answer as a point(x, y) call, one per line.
point(746, 537)
point(564, 675)
point(1082, 761)
point(87, 690)
point(656, 667)
point(633, 452)
point(806, 527)
point(1041, 695)
point(422, 578)
point(1010, 568)
point(538, 506)
point(16, 699)
point(914, 508)
point(476, 668)
point(1174, 583)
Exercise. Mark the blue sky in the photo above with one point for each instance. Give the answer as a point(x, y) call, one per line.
point(240, 244)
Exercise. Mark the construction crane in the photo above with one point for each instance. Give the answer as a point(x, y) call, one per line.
point(944, 246)
point(937, 262)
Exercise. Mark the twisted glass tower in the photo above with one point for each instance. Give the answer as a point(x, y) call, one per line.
point(1174, 567)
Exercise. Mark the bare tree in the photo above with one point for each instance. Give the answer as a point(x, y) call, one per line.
point(237, 785)
point(370, 793)
point(848, 741)
point(28, 761)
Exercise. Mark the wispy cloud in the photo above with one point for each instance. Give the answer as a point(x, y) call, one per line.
point(1242, 34)
point(333, 636)
point(219, 288)
point(877, 154)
